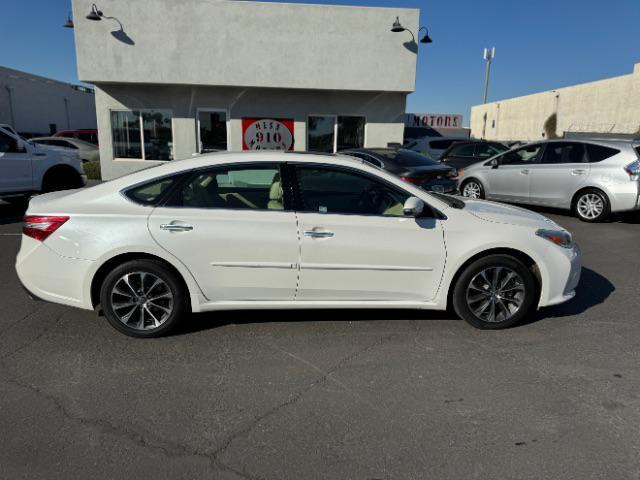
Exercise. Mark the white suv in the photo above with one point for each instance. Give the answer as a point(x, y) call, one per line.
point(27, 168)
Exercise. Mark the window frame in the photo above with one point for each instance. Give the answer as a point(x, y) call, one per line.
point(211, 110)
point(141, 126)
point(293, 167)
point(451, 150)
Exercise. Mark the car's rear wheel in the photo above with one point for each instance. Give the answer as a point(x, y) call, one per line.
point(61, 178)
point(591, 206)
point(143, 298)
point(494, 292)
point(472, 189)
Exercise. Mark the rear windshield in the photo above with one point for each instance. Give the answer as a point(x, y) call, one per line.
point(408, 158)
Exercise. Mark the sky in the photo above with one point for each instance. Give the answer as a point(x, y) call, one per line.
point(540, 45)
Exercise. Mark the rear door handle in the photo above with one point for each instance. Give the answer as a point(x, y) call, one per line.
point(524, 172)
point(578, 172)
point(318, 234)
point(169, 227)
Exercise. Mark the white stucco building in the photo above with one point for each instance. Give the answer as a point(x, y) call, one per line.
point(177, 78)
point(610, 106)
point(38, 105)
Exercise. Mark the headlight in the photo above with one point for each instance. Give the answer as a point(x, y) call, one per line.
point(559, 237)
point(453, 173)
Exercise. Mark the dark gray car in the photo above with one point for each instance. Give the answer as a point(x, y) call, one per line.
point(410, 166)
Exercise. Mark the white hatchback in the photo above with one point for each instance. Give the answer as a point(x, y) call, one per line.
point(274, 230)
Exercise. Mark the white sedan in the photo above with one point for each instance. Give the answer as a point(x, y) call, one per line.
point(276, 230)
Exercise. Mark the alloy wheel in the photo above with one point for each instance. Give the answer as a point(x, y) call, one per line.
point(141, 300)
point(495, 294)
point(590, 206)
point(472, 190)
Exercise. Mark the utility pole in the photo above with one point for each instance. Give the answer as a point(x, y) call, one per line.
point(489, 55)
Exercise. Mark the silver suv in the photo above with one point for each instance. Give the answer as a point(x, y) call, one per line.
point(592, 178)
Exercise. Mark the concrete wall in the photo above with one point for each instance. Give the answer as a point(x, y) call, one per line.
point(383, 112)
point(611, 105)
point(236, 43)
point(37, 101)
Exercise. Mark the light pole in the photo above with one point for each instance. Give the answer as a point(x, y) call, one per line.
point(489, 55)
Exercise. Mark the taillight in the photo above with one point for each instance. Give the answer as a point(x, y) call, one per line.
point(413, 181)
point(40, 227)
point(633, 170)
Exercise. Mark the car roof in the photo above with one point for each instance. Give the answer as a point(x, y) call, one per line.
point(594, 141)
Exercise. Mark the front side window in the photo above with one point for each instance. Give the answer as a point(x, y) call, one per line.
point(327, 190)
point(350, 132)
point(522, 156)
point(144, 135)
point(251, 187)
point(462, 150)
point(321, 133)
point(212, 128)
point(559, 153)
point(7, 144)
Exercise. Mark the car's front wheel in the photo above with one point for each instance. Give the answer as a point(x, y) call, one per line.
point(494, 292)
point(143, 298)
point(472, 189)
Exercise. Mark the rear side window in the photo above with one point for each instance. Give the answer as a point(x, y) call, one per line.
point(150, 193)
point(597, 153)
point(236, 188)
point(441, 144)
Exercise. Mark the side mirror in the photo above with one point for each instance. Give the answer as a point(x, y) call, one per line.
point(494, 163)
point(413, 207)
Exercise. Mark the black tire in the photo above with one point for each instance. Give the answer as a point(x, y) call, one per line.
point(65, 178)
point(527, 297)
point(600, 199)
point(479, 188)
point(179, 306)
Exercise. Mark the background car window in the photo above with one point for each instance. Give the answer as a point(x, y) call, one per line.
point(152, 192)
point(465, 150)
point(486, 150)
point(325, 190)
point(441, 144)
point(597, 153)
point(254, 188)
point(522, 156)
point(7, 144)
point(409, 158)
point(559, 153)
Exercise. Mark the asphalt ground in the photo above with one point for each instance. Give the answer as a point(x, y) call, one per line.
point(337, 394)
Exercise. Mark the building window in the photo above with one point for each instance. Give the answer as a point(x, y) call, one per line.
point(212, 130)
point(143, 135)
point(331, 133)
point(350, 132)
point(321, 133)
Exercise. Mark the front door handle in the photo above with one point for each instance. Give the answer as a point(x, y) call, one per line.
point(578, 171)
point(524, 172)
point(318, 234)
point(176, 228)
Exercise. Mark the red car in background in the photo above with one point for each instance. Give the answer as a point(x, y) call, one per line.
point(88, 135)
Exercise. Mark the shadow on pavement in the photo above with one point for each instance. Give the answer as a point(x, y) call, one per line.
point(620, 217)
point(209, 320)
point(11, 213)
point(593, 290)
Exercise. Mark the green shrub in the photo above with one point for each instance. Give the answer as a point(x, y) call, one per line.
point(92, 169)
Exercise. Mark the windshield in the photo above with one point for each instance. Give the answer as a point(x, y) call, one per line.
point(408, 158)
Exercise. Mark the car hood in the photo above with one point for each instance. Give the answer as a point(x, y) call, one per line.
point(501, 213)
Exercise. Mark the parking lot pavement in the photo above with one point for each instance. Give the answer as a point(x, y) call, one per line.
point(329, 394)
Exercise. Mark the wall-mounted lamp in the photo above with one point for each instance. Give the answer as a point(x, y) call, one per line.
point(94, 14)
point(397, 28)
point(69, 22)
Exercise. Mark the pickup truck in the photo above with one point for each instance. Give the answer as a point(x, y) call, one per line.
point(28, 168)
